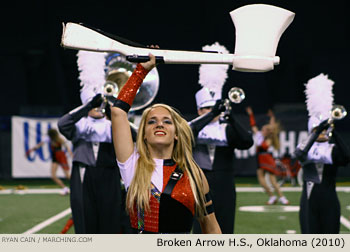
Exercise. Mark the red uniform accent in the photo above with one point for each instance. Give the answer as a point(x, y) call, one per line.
point(265, 159)
point(62, 159)
point(293, 168)
point(252, 120)
point(129, 90)
point(182, 192)
point(68, 225)
point(151, 219)
point(58, 155)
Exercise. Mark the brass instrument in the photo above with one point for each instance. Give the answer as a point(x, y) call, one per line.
point(235, 95)
point(338, 112)
point(118, 72)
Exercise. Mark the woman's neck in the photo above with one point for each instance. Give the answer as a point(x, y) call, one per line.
point(161, 152)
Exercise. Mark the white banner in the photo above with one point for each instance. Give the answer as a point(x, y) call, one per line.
point(26, 133)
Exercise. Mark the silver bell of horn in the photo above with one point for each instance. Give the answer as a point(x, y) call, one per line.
point(236, 95)
point(338, 112)
point(118, 72)
point(110, 88)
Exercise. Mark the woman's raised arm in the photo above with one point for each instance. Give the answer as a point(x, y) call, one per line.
point(122, 138)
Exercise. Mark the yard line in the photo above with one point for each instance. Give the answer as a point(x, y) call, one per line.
point(48, 221)
point(38, 191)
point(8, 191)
point(345, 222)
point(238, 189)
point(286, 189)
point(31, 191)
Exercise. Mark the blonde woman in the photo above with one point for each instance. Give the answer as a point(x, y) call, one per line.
point(166, 188)
point(265, 139)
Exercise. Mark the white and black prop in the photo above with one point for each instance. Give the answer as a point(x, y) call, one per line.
point(258, 31)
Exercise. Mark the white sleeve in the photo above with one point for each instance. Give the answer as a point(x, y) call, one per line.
point(127, 169)
point(258, 138)
point(46, 139)
point(94, 130)
point(321, 152)
point(81, 127)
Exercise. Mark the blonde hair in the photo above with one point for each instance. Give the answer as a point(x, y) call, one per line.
point(276, 129)
point(139, 190)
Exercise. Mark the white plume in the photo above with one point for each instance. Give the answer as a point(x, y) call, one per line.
point(91, 66)
point(319, 96)
point(213, 76)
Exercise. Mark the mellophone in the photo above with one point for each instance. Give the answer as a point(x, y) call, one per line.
point(258, 31)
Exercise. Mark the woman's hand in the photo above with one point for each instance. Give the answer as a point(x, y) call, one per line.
point(249, 110)
point(148, 65)
point(152, 62)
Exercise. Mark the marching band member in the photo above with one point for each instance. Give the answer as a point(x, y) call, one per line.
point(215, 142)
point(214, 153)
point(320, 158)
point(96, 193)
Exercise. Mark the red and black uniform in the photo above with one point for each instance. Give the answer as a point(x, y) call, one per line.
point(172, 204)
point(168, 213)
point(58, 155)
point(265, 159)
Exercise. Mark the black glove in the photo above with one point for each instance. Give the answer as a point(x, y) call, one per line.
point(110, 99)
point(108, 111)
point(96, 101)
point(218, 107)
point(322, 126)
point(302, 150)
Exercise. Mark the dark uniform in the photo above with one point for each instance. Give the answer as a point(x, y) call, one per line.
point(96, 193)
point(215, 157)
point(319, 204)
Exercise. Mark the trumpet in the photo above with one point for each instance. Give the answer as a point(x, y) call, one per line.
point(118, 71)
point(110, 89)
point(338, 112)
point(235, 95)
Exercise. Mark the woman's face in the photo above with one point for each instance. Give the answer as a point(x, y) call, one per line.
point(96, 113)
point(159, 127)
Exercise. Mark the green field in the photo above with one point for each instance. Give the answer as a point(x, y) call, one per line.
point(20, 210)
